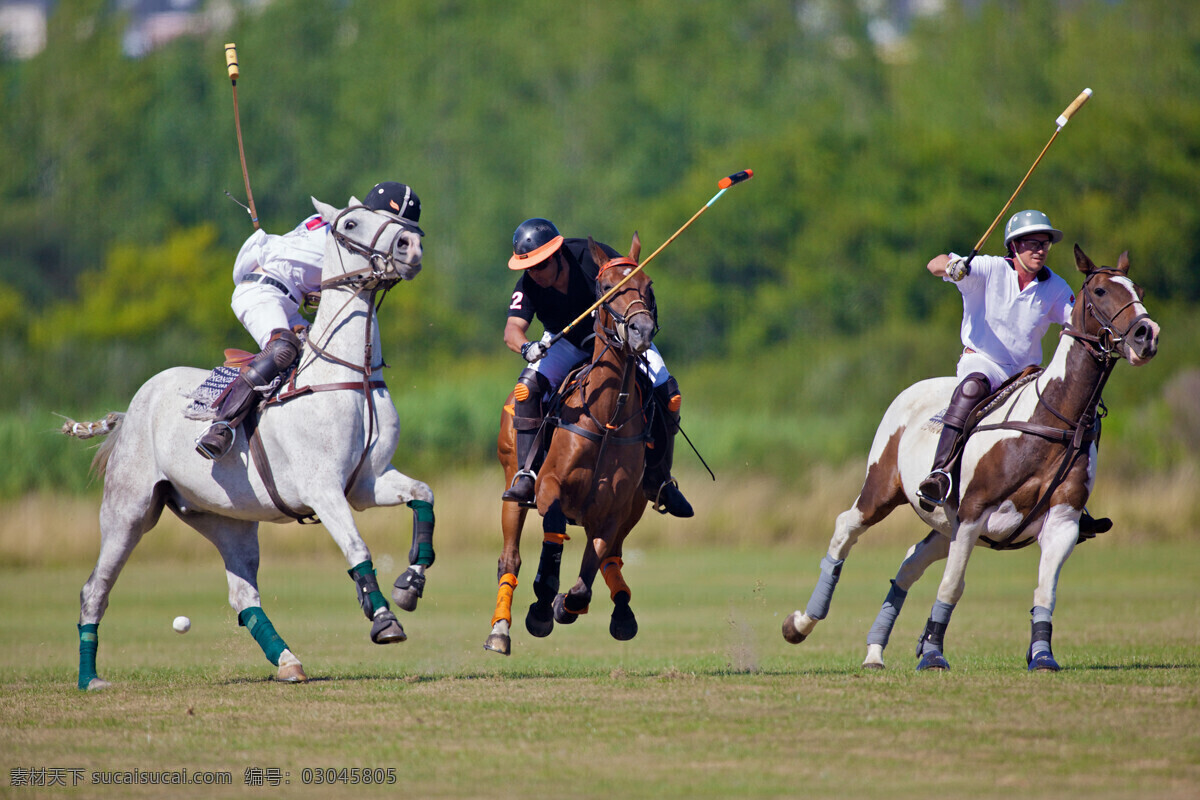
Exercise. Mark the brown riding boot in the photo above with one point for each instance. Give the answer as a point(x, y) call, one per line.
point(237, 400)
point(935, 489)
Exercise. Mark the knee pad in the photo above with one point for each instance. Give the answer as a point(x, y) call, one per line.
point(975, 387)
point(527, 399)
point(669, 395)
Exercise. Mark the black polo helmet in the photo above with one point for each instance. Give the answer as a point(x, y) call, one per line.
point(397, 199)
point(534, 241)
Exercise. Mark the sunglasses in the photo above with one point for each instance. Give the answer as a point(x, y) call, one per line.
point(1034, 245)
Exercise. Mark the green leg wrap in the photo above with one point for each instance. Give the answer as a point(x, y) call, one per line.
point(422, 546)
point(89, 643)
point(255, 619)
point(369, 596)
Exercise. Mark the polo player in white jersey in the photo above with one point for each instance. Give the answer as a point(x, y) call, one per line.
point(1008, 305)
point(273, 274)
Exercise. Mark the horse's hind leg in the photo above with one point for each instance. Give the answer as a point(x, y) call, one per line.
point(123, 522)
point(512, 519)
point(799, 624)
point(932, 548)
point(237, 542)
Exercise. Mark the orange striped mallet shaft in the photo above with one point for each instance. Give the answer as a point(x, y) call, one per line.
point(1062, 120)
point(722, 184)
point(231, 63)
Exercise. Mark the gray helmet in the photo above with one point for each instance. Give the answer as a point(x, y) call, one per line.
point(1024, 223)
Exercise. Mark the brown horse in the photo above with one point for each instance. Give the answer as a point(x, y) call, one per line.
point(1026, 471)
point(592, 473)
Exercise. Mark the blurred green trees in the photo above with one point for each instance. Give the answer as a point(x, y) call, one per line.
point(116, 239)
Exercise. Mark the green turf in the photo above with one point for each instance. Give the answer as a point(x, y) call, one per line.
point(707, 701)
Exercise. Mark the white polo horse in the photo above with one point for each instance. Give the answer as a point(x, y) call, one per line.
point(329, 446)
point(1025, 472)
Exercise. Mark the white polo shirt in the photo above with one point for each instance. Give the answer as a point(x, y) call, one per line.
point(1005, 323)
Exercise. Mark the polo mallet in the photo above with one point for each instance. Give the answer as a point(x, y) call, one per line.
point(231, 63)
point(722, 184)
point(1062, 120)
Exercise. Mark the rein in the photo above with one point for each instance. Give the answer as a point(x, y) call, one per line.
point(1102, 347)
point(377, 280)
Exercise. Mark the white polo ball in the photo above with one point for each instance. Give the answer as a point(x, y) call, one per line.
point(182, 624)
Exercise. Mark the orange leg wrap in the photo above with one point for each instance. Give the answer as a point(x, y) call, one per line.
point(610, 568)
point(504, 598)
point(557, 538)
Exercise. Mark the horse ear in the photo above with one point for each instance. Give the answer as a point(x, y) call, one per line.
point(1083, 262)
point(1123, 263)
point(326, 211)
point(635, 247)
point(598, 255)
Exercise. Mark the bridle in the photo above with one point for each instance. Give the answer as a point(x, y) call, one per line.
point(381, 269)
point(617, 335)
point(1104, 345)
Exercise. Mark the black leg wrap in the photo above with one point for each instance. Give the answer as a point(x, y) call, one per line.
point(935, 635)
point(545, 585)
point(421, 551)
point(1042, 631)
point(367, 588)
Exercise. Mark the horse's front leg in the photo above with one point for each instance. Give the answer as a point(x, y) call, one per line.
point(920, 556)
point(391, 488)
point(508, 566)
point(334, 513)
point(539, 621)
point(1060, 532)
point(932, 642)
point(623, 624)
point(237, 542)
point(576, 601)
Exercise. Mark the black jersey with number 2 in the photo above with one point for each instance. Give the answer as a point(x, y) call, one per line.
point(554, 309)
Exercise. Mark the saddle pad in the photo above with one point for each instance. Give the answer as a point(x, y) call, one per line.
point(202, 397)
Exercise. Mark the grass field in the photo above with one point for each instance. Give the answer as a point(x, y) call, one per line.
point(708, 701)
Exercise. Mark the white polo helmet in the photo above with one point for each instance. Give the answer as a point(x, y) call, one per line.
point(1024, 223)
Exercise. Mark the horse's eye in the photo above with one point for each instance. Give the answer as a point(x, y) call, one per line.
point(1100, 292)
point(350, 225)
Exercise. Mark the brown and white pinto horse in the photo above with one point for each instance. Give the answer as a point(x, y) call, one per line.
point(592, 474)
point(1026, 471)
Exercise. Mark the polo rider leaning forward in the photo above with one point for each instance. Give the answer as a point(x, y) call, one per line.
point(557, 285)
point(273, 274)
point(1008, 305)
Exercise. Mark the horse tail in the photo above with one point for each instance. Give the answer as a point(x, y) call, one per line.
point(87, 430)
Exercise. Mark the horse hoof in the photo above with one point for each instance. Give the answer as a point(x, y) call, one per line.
point(539, 621)
point(499, 643)
point(932, 660)
point(1043, 662)
point(878, 666)
point(561, 614)
point(790, 632)
point(386, 629)
point(98, 684)
point(291, 673)
point(623, 625)
point(408, 589)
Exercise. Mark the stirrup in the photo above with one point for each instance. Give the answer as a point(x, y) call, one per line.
point(936, 502)
point(661, 507)
point(508, 493)
point(211, 455)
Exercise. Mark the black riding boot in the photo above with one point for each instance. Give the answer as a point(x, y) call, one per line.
point(935, 489)
point(527, 421)
point(661, 489)
point(232, 407)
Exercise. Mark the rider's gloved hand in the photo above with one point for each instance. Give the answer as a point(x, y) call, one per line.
point(957, 269)
point(533, 351)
